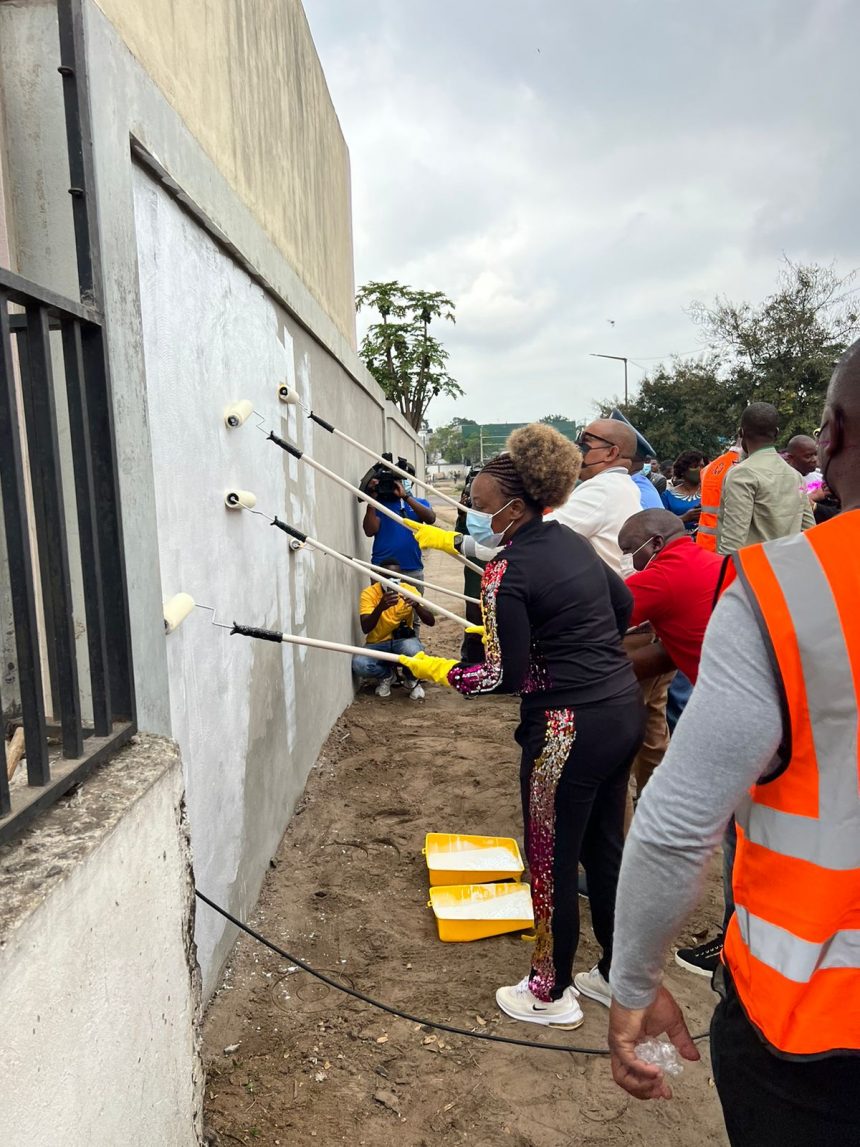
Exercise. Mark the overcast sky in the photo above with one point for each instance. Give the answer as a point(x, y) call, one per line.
point(556, 164)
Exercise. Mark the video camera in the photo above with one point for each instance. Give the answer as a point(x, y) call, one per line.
point(387, 479)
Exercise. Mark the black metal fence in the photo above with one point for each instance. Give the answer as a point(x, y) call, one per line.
point(53, 374)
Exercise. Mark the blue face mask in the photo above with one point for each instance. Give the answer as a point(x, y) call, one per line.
point(480, 526)
point(407, 486)
point(646, 469)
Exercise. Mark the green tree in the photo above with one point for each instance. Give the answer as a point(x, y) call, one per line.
point(407, 361)
point(684, 405)
point(782, 350)
point(449, 443)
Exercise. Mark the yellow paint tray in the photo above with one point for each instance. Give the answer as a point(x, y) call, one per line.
point(475, 911)
point(442, 849)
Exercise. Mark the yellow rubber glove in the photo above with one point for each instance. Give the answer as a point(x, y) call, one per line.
point(427, 668)
point(432, 537)
point(478, 629)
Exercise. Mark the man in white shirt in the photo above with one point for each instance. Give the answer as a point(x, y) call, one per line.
point(607, 496)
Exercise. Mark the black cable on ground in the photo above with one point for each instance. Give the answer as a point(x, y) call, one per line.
point(392, 1011)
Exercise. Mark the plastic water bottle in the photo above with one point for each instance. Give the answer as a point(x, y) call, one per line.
point(662, 1053)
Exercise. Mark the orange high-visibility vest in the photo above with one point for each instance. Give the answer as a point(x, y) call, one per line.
point(793, 944)
point(711, 490)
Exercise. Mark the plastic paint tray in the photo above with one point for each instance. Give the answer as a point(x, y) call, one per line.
point(436, 843)
point(467, 896)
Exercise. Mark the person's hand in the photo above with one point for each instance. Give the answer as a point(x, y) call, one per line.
point(631, 1026)
point(427, 668)
point(373, 486)
point(432, 537)
point(399, 492)
point(479, 631)
point(390, 599)
point(692, 515)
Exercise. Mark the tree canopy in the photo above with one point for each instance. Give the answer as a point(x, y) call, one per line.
point(780, 350)
point(407, 361)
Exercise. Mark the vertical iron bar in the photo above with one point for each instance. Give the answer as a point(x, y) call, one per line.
point(109, 523)
point(91, 566)
point(5, 799)
point(79, 136)
point(45, 460)
point(20, 563)
point(39, 512)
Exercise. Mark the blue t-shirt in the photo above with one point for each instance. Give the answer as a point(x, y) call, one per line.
point(649, 499)
point(397, 543)
point(679, 504)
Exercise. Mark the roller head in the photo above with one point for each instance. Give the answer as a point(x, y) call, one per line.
point(240, 500)
point(176, 609)
point(289, 394)
point(238, 413)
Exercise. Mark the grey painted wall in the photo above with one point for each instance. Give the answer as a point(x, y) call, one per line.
point(246, 761)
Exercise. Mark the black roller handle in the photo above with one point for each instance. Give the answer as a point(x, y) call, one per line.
point(251, 631)
point(288, 446)
point(321, 422)
point(291, 530)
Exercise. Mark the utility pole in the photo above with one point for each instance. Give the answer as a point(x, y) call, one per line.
point(617, 358)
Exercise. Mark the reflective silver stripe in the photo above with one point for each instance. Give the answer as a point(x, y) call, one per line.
point(792, 957)
point(710, 509)
point(707, 529)
point(833, 839)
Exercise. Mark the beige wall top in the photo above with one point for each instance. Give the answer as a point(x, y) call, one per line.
point(245, 77)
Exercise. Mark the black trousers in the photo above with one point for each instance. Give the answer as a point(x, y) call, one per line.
point(769, 1101)
point(573, 776)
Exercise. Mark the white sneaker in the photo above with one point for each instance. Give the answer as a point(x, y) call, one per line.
point(383, 689)
point(593, 985)
point(520, 1003)
point(416, 693)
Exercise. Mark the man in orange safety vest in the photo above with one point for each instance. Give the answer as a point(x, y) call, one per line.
point(774, 742)
point(711, 488)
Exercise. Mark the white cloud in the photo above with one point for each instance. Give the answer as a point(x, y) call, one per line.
point(553, 166)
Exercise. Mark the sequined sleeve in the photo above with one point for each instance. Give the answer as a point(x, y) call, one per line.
point(508, 635)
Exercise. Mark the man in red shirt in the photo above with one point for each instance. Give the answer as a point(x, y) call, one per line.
point(673, 585)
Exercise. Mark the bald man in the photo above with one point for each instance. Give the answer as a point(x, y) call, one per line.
point(606, 496)
point(802, 454)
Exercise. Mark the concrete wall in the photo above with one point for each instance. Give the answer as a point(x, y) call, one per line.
point(203, 306)
point(249, 716)
point(98, 992)
point(245, 78)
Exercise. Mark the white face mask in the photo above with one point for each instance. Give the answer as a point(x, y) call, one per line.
point(628, 566)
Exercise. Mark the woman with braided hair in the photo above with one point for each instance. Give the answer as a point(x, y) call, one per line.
point(554, 615)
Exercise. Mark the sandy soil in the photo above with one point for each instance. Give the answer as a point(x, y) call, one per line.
point(291, 1061)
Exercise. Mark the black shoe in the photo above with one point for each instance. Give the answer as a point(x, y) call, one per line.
point(702, 960)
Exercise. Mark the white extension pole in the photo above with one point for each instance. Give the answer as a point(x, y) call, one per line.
point(394, 586)
point(427, 584)
point(336, 647)
point(289, 395)
point(383, 509)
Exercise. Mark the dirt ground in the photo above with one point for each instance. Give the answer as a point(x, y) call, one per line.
point(291, 1061)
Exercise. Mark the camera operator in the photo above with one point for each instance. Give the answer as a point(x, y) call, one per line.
point(393, 542)
point(388, 621)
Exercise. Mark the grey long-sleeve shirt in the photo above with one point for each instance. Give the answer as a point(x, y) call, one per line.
point(726, 740)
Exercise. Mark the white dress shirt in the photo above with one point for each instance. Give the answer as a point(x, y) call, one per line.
point(598, 508)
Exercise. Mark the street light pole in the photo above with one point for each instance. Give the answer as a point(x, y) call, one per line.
point(617, 358)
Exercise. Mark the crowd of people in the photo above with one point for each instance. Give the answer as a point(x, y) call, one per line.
point(621, 597)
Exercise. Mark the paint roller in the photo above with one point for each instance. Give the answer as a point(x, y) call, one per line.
point(178, 607)
point(289, 395)
point(384, 580)
point(240, 500)
point(481, 552)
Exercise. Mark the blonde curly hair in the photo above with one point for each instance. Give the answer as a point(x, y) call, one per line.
point(539, 465)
